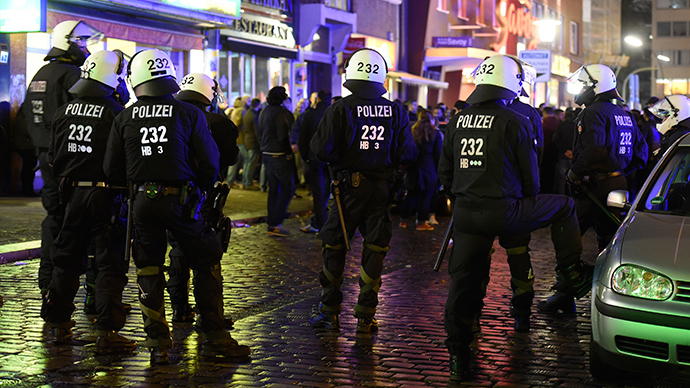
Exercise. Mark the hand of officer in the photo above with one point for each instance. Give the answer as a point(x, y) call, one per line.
point(574, 183)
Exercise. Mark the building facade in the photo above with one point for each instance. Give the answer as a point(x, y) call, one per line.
point(447, 39)
point(670, 38)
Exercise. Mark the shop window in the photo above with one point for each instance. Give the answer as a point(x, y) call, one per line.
point(679, 28)
point(285, 76)
point(263, 79)
point(301, 80)
point(574, 38)
point(235, 75)
point(196, 61)
point(673, 4)
point(663, 29)
point(251, 67)
point(126, 46)
point(338, 4)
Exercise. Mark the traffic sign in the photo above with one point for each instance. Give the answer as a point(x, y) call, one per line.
point(541, 60)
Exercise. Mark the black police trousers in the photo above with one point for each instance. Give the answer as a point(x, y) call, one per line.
point(152, 218)
point(50, 227)
point(178, 271)
point(91, 219)
point(474, 231)
point(366, 207)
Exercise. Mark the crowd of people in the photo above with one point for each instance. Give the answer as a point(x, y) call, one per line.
point(131, 176)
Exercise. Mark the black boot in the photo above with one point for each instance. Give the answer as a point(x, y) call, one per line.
point(183, 315)
point(460, 365)
point(326, 320)
point(522, 323)
point(577, 279)
point(559, 301)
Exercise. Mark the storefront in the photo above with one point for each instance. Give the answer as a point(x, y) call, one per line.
point(258, 52)
point(171, 26)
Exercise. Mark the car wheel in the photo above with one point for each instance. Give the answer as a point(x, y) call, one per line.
point(597, 367)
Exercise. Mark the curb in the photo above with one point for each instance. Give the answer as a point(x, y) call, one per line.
point(12, 253)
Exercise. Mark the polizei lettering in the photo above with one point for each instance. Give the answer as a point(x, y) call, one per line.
point(151, 111)
point(623, 121)
point(374, 111)
point(475, 122)
point(84, 110)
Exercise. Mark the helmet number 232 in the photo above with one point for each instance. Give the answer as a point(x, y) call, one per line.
point(368, 67)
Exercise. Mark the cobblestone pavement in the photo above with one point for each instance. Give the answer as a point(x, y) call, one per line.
point(271, 289)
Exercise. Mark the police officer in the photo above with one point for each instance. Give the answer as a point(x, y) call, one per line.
point(49, 90)
point(203, 92)
point(608, 146)
point(80, 134)
point(674, 112)
point(151, 145)
point(489, 162)
point(364, 137)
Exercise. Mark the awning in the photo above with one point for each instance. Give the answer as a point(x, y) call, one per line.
point(185, 38)
point(456, 58)
point(415, 80)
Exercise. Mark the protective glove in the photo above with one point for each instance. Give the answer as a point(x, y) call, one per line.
point(574, 183)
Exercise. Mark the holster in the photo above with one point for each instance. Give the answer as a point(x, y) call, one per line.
point(191, 198)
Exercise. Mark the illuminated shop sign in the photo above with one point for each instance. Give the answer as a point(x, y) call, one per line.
point(23, 16)
point(224, 7)
point(451, 41)
point(560, 65)
point(263, 29)
point(516, 18)
point(280, 5)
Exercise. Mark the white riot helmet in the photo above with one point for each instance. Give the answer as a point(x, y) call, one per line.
point(200, 87)
point(101, 74)
point(365, 73)
point(672, 110)
point(530, 74)
point(72, 37)
point(497, 77)
point(152, 73)
point(595, 79)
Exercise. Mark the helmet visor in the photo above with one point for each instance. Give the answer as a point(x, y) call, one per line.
point(581, 77)
point(663, 109)
point(218, 93)
point(84, 35)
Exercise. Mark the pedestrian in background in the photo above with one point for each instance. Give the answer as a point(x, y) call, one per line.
point(364, 137)
point(168, 198)
point(49, 90)
point(250, 122)
point(275, 122)
point(421, 180)
point(236, 114)
point(318, 170)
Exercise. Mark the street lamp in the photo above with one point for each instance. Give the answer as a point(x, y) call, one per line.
point(636, 42)
point(547, 29)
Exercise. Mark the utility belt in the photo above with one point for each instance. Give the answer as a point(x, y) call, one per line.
point(190, 196)
point(88, 184)
point(154, 190)
point(602, 176)
point(348, 178)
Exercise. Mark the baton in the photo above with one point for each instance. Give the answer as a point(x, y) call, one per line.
point(600, 205)
point(130, 211)
point(336, 196)
point(444, 247)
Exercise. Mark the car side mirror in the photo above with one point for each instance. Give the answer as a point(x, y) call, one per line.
point(618, 199)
